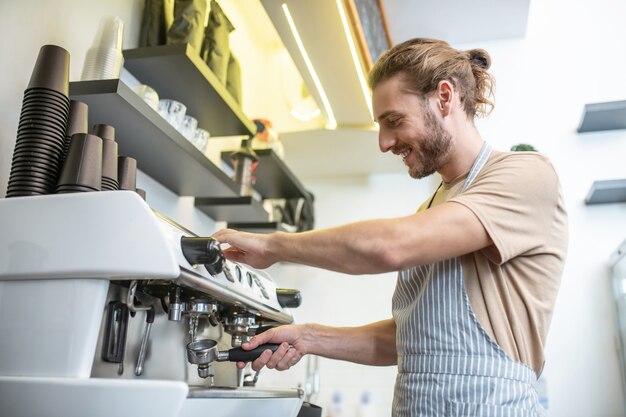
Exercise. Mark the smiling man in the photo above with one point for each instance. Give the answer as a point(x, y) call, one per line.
point(479, 262)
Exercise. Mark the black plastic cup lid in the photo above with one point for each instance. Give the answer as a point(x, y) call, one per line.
point(51, 69)
point(43, 108)
point(37, 150)
point(23, 193)
point(44, 127)
point(110, 182)
point(29, 166)
point(38, 164)
point(33, 169)
point(46, 96)
point(39, 135)
point(109, 159)
point(34, 155)
point(39, 142)
point(45, 91)
point(127, 173)
point(47, 106)
point(44, 116)
point(51, 148)
point(104, 131)
point(50, 101)
point(49, 116)
point(30, 186)
point(31, 181)
point(78, 118)
point(74, 191)
point(36, 113)
point(74, 188)
point(43, 179)
point(33, 166)
point(42, 122)
point(83, 165)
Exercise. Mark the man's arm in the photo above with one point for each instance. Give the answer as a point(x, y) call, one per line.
point(368, 247)
point(372, 344)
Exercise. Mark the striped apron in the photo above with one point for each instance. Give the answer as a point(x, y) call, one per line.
point(448, 365)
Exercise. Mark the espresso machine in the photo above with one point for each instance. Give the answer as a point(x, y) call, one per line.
point(109, 308)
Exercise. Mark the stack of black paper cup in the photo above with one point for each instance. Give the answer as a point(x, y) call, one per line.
point(78, 123)
point(40, 136)
point(82, 170)
point(109, 156)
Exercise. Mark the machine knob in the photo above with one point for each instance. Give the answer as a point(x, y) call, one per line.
point(203, 250)
point(288, 297)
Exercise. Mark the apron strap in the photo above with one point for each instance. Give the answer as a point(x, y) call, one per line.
point(479, 162)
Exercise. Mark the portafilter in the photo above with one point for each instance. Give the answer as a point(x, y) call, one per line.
point(203, 352)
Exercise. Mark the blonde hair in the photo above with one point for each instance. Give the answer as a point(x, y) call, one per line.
point(425, 62)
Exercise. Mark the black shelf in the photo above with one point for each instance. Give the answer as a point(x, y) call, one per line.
point(607, 191)
point(260, 227)
point(274, 179)
point(233, 209)
point(161, 151)
point(603, 116)
point(177, 72)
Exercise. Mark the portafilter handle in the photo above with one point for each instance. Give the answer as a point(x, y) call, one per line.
point(204, 352)
point(240, 355)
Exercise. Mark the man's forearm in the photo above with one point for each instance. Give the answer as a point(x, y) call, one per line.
point(357, 248)
point(373, 344)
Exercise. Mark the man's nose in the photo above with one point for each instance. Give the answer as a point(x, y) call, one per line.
point(386, 141)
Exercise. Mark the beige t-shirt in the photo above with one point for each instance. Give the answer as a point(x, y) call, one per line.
point(512, 284)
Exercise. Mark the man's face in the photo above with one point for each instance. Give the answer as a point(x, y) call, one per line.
point(410, 128)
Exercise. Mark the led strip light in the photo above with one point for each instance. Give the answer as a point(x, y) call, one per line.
point(332, 123)
point(355, 56)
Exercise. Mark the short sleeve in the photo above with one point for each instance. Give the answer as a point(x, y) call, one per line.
point(515, 198)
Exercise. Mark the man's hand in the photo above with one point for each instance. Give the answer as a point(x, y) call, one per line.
point(248, 248)
point(294, 344)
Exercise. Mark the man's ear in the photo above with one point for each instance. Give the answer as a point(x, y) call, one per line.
point(444, 95)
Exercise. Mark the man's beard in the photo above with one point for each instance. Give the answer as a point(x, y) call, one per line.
point(434, 148)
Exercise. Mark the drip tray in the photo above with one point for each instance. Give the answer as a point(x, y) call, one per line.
point(242, 401)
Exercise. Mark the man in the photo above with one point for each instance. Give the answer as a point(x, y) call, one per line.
point(480, 262)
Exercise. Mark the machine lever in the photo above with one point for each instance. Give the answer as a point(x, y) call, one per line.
point(144, 341)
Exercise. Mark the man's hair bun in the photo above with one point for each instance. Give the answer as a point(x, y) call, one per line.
point(480, 57)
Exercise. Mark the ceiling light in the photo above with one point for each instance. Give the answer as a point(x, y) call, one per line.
point(332, 123)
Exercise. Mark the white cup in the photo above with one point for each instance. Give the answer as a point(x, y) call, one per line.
point(173, 111)
point(188, 127)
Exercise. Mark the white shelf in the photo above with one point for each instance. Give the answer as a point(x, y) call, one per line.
point(607, 191)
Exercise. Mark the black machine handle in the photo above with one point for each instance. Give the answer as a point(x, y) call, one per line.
point(288, 297)
point(114, 342)
point(203, 250)
point(240, 355)
point(262, 329)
